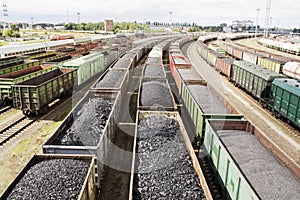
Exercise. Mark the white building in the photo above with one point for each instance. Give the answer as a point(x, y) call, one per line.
point(241, 23)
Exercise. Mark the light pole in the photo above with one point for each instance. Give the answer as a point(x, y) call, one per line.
point(78, 14)
point(170, 12)
point(267, 18)
point(31, 22)
point(256, 21)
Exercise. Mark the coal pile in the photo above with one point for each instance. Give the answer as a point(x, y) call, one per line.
point(154, 70)
point(89, 123)
point(122, 64)
point(112, 79)
point(52, 179)
point(156, 94)
point(275, 181)
point(154, 60)
point(164, 168)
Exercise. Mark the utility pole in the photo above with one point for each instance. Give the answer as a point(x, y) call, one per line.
point(267, 19)
point(170, 12)
point(5, 14)
point(256, 21)
point(31, 22)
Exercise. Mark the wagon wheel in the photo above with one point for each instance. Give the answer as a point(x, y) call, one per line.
point(70, 92)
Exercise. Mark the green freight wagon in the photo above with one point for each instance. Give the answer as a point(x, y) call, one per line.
point(7, 80)
point(18, 67)
point(10, 61)
point(87, 66)
point(246, 169)
point(202, 104)
point(33, 96)
point(285, 99)
point(253, 79)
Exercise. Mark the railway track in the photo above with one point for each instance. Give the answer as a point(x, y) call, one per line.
point(252, 42)
point(5, 110)
point(14, 129)
point(286, 126)
point(273, 129)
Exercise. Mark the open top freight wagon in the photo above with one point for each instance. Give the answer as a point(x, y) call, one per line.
point(33, 96)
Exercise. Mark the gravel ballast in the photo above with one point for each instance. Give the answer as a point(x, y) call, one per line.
point(89, 123)
point(164, 168)
point(52, 179)
point(269, 178)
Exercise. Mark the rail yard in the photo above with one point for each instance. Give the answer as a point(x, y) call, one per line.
point(152, 116)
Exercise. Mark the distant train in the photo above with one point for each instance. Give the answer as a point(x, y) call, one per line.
point(274, 90)
point(61, 37)
point(271, 61)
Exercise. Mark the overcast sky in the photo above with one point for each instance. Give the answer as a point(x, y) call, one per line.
point(210, 12)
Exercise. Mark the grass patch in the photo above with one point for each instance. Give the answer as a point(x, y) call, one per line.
point(9, 114)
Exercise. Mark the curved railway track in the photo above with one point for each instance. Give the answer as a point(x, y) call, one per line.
point(286, 126)
point(278, 133)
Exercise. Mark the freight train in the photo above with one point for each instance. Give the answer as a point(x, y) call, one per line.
point(225, 138)
point(271, 61)
point(289, 47)
point(99, 106)
point(162, 141)
point(87, 66)
point(61, 37)
point(259, 83)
